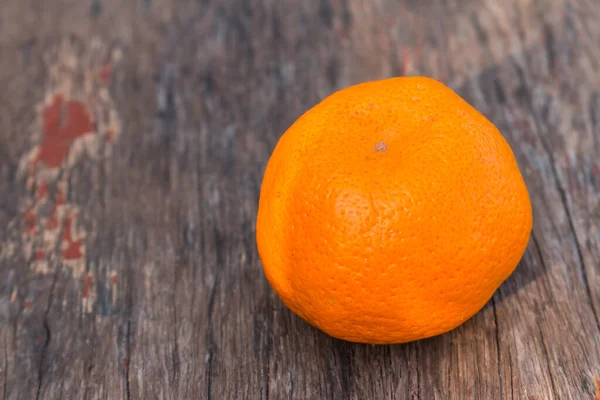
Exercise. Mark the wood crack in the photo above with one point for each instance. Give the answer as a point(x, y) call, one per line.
point(269, 330)
point(4, 387)
point(209, 337)
point(512, 389)
point(89, 362)
point(418, 374)
point(545, 348)
point(126, 344)
point(48, 336)
point(561, 192)
point(538, 252)
point(175, 352)
point(128, 358)
point(344, 354)
point(450, 359)
point(582, 265)
point(497, 334)
point(210, 366)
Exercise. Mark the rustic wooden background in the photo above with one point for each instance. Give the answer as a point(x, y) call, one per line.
point(133, 138)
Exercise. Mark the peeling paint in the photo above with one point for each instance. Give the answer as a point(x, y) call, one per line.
point(87, 283)
point(76, 119)
point(63, 123)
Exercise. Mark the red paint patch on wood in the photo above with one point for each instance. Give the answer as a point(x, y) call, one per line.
point(73, 251)
point(53, 219)
point(42, 191)
point(87, 284)
point(105, 73)
point(60, 198)
point(52, 223)
point(71, 247)
point(114, 279)
point(39, 255)
point(27, 305)
point(30, 223)
point(63, 122)
point(597, 383)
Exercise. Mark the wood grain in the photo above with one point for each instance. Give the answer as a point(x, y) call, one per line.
point(129, 269)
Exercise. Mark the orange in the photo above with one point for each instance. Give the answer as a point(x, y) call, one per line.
point(390, 212)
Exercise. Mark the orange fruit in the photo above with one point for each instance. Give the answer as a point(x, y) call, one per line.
point(390, 212)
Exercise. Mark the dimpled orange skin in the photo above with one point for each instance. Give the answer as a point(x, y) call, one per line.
point(391, 212)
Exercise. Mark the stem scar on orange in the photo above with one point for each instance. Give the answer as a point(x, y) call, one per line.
point(390, 212)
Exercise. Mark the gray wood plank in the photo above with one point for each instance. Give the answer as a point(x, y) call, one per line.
point(167, 299)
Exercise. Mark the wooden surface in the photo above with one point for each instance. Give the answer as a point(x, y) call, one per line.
point(133, 138)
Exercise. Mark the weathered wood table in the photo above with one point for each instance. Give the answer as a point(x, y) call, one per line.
point(133, 138)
